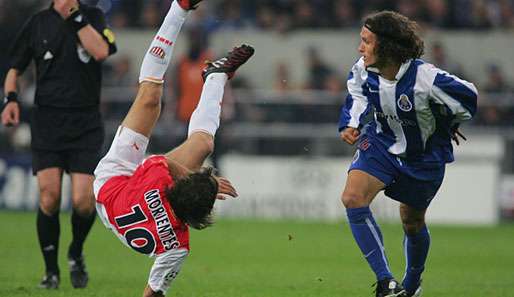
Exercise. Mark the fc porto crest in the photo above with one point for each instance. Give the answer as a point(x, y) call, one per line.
point(404, 103)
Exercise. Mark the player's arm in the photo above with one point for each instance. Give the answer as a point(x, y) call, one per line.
point(179, 171)
point(88, 28)
point(355, 108)
point(459, 98)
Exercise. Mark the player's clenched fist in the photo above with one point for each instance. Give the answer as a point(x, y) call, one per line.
point(350, 135)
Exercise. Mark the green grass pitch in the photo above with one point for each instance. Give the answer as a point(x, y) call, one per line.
point(251, 258)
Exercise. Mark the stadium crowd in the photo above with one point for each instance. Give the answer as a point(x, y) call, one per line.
point(283, 16)
point(287, 15)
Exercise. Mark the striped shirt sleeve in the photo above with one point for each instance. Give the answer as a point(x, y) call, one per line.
point(458, 95)
point(357, 105)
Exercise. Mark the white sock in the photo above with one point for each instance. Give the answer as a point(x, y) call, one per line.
point(158, 56)
point(206, 117)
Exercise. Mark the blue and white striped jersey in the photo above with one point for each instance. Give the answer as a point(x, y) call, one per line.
point(413, 115)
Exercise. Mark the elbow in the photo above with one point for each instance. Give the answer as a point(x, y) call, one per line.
point(101, 56)
point(101, 53)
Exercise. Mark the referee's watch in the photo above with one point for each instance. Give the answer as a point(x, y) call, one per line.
point(11, 97)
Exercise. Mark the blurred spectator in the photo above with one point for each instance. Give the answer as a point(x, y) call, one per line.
point(439, 58)
point(436, 13)
point(318, 72)
point(120, 73)
point(187, 80)
point(345, 14)
point(496, 82)
point(493, 112)
point(282, 80)
point(288, 15)
point(151, 17)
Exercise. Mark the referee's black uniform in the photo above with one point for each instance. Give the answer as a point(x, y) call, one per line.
point(66, 125)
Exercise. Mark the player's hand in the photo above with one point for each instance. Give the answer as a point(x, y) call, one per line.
point(456, 134)
point(225, 188)
point(66, 7)
point(350, 135)
point(11, 114)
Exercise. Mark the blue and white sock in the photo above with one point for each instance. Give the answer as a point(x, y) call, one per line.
point(369, 238)
point(416, 251)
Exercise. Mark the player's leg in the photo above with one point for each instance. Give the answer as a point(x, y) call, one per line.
point(48, 226)
point(82, 220)
point(370, 172)
point(416, 245)
point(146, 108)
point(202, 126)
point(205, 119)
point(360, 190)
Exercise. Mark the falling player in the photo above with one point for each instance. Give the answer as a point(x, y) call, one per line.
point(149, 204)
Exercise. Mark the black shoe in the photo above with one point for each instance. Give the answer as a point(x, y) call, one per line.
point(188, 4)
point(389, 288)
point(230, 63)
point(50, 281)
point(78, 274)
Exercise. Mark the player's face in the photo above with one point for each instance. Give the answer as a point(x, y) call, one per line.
point(367, 46)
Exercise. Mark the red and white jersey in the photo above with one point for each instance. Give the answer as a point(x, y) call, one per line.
point(138, 211)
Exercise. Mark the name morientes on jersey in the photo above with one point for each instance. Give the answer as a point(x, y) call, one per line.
point(166, 233)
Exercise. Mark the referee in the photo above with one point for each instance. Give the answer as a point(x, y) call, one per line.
point(68, 41)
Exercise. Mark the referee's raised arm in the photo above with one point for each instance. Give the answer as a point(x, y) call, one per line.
point(90, 27)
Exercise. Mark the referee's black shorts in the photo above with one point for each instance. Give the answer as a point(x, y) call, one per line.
point(70, 139)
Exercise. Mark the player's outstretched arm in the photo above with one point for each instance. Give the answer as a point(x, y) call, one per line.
point(225, 188)
point(178, 171)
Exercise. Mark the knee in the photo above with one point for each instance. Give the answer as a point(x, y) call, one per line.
point(84, 205)
point(412, 226)
point(205, 143)
point(209, 145)
point(351, 199)
point(49, 200)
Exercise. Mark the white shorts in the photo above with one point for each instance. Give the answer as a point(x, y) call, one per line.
point(126, 153)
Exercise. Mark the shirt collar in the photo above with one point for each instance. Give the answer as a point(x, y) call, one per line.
point(403, 68)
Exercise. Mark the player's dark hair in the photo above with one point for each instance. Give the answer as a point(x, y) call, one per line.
point(192, 198)
point(398, 37)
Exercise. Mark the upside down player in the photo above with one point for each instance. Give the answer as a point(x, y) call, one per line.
point(149, 204)
point(417, 110)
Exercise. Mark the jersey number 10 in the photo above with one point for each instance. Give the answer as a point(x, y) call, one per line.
point(138, 238)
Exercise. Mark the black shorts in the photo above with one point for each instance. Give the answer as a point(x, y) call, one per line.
point(71, 139)
point(71, 161)
point(57, 129)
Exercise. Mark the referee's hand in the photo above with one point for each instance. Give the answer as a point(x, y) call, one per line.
point(350, 135)
point(65, 7)
point(11, 114)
